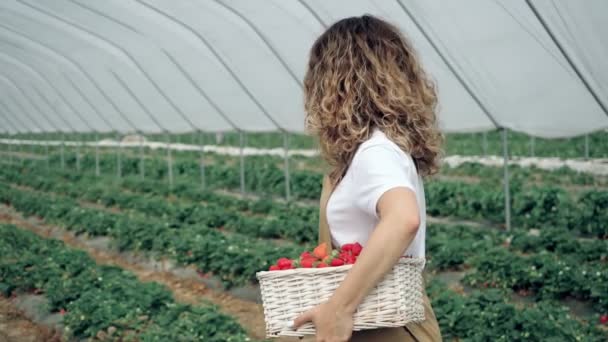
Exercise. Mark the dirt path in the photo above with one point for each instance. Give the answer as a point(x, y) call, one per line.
point(458, 178)
point(249, 314)
point(15, 327)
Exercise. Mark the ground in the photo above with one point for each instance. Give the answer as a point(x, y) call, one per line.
point(15, 327)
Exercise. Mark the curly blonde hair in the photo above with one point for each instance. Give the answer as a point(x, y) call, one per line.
point(364, 74)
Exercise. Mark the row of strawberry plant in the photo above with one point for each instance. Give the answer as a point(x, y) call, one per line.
point(103, 301)
point(430, 252)
point(543, 275)
point(545, 207)
point(300, 219)
point(523, 176)
point(519, 145)
point(531, 206)
point(450, 246)
point(232, 257)
point(207, 208)
point(486, 315)
point(572, 269)
point(456, 250)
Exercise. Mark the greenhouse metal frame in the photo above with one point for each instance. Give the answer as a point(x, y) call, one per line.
point(200, 66)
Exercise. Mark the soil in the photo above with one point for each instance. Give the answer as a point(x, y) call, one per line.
point(458, 178)
point(16, 327)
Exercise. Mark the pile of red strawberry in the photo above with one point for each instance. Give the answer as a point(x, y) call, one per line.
point(321, 257)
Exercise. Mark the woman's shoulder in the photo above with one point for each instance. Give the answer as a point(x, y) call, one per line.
point(381, 149)
point(379, 162)
point(379, 141)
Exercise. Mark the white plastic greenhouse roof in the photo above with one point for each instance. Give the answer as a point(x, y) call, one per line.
point(537, 67)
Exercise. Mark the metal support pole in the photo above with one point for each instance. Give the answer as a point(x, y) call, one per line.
point(532, 146)
point(586, 146)
point(14, 149)
point(7, 144)
point(20, 151)
point(10, 152)
point(97, 171)
point(18, 156)
point(77, 154)
point(38, 148)
point(202, 162)
point(62, 152)
point(46, 152)
point(169, 161)
point(32, 149)
point(118, 157)
point(505, 153)
point(286, 167)
point(242, 160)
point(142, 157)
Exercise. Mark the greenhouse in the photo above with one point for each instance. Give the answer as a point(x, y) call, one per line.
point(155, 158)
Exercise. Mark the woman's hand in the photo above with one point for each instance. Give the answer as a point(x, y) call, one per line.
point(398, 225)
point(332, 322)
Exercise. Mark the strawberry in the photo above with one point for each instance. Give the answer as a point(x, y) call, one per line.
point(274, 268)
point(604, 319)
point(321, 251)
point(337, 262)
point(306, 255)
point(347, 247)
point(308, 263)
point(349, 260)
point(357, 249)
point(345, 255)
point(322, 265)
point(284, 263)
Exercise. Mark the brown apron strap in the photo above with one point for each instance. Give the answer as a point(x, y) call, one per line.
point(324, 234)
point(425, 331)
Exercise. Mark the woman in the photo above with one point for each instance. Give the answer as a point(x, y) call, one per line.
point(372, 107)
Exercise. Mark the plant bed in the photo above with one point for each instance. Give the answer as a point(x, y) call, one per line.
point(103, 301)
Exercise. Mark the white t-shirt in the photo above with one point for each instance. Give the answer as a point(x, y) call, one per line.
point(379, 165)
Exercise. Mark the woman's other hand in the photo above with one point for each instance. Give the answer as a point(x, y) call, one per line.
point(332, 322)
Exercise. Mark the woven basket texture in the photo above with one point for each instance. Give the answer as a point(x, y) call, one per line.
point(394, 302)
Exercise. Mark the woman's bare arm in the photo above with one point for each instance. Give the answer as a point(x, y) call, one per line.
point(399, 221)
point(397, 227)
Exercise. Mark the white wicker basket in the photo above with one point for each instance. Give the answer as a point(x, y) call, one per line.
point(395, 301)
